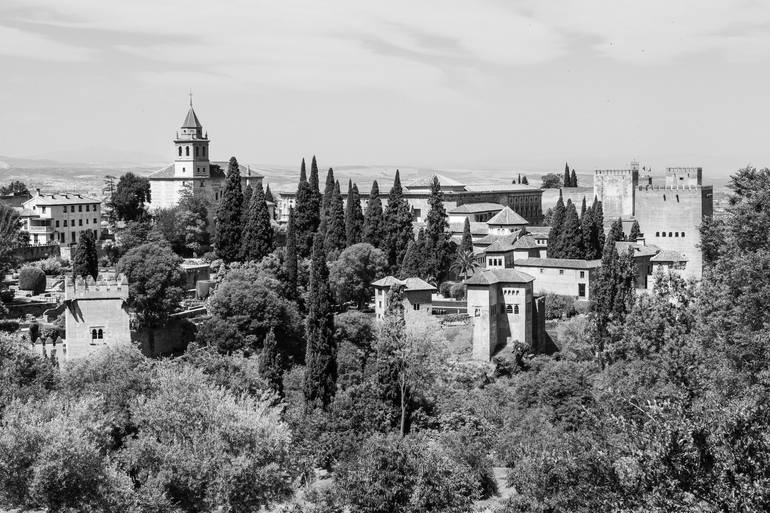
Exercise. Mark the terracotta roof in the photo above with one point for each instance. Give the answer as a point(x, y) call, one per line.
point(60, 199)
point(489, 239)
point(475, 208)
point(503, 243)
point(491, 276)
point(409, 283)
point(563, 263)
point(507, 217)
point(668, 255)
point(191, 120)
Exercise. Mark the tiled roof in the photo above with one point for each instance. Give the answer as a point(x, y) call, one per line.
point(638, 249)
point(503, 243)
point(217, 169)
point(491, 276)
point(489, 239)
point(668, 255)
point(191, 120)
point(476, 228)
point(526, 242)
point(563, 263)
point(409, 283)
point(506, 187)
point(507, 217)
point(60, 199)
point(539, 231)
point(475, 208)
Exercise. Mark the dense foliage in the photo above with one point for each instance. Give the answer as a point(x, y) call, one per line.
point(131, 195)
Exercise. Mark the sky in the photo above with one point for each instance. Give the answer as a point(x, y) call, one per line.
point(444, 84)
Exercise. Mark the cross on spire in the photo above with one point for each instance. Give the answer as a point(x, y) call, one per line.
point(190, 93)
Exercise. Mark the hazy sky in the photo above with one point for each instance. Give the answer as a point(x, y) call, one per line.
point(446, 83)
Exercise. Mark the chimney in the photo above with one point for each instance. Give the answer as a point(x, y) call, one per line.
point(38, 191)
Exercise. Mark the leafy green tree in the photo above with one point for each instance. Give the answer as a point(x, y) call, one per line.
point(354, 217)
point(713, 239)
point(439, 248)
point(551, 181)
point(374, 221)
point(397, 226)
point(290, 260)
point(155, 281)
point(636, 231)
point(32, 279)
point(257, 239)
point(571, 243)
point(557, 227)
point(131, 194)
point(335, 230)
point(14, 188)
point(229, 217)
point(306, 214)
point(321, 355)
point(354, 271)
point(270, 363)
point(567, 177)
point(467, 241)
point(85, 261)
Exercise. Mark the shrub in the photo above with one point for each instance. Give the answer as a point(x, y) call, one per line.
point(52, 266)
point(7, 295)
point(8, 325)
point(32, 278)
point(445, 289)
point(34, 332)
point(557, 307)
point(458, 291)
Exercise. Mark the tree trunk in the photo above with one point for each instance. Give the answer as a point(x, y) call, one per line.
point(403, 408)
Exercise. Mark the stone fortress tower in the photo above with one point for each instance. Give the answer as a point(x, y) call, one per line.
point(96, 314)
point(669, 214)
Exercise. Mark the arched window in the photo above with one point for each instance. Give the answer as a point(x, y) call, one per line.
point(676, 234)
point(508, 309)
point(663, 234)
point(100, 334)
point(203, 151)
point(669, 234)
point(180, 151)
point(93, 334)
point(682, 234)
point(187, 150)
point(516, 309)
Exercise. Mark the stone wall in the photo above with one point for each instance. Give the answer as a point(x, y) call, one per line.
point(616, 189)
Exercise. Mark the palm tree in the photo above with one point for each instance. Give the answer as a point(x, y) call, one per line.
point(465, 263)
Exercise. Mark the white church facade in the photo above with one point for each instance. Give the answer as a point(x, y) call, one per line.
point(192, 168)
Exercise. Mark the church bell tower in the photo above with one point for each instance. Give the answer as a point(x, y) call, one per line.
point(192, 149)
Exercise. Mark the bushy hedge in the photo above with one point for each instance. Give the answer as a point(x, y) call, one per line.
point(52, 266)
point(558, 307)
point(8, 325)
point(32, 278)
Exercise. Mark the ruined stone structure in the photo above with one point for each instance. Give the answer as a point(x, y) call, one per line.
point(96, 314)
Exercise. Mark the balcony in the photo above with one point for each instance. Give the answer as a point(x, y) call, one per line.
point(40, 227)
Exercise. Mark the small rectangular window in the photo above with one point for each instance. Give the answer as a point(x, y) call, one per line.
point(582, 274)
point(80, 208)
point(64, 209)
point(416, 306)
point(80, 223)
point(561, 271)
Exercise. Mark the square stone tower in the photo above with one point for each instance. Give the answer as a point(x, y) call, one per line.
point(96, 314)
point(616, 189)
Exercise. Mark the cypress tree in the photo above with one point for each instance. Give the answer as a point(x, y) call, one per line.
point(269, 364)
point(335, 229)
point(85, 261)
point(247, 193)
point(636, 231)
point(305, 215)
point(524, 180)
point(257, 232)
point(587, 229)
point(557, 222)
point(437, 239)
point(583, 208)
point(616, 232)
point(571, 235)
point(374, 220)
point(410, 265)
point(269, 194)
point(354, 217)
point(573, 179)
point(398, 224)
point(567, 176)
point(313, 179)
point(327, 198)
point(467, 241)
point(290, 258)
point(599, 225)
point(320, 378)
point(229, 220)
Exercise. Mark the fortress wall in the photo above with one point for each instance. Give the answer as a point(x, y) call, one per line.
point(677, 213)
point(616, 189)
point(576, 194)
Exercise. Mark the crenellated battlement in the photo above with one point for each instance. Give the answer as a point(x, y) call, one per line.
point(676, 187)
point(617, 172)
point(104, 287)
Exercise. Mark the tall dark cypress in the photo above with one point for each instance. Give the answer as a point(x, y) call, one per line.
point(571, 245)
point(290, 257)
point(583, 208)
point(247, 193)
point(85, 261)
point(413, 263)
point(327, 198)
point(320, 378)
point(305, 215)
point(229, 219)
point(616, 232)
point(567, 176)
point(467, 241)
point(599, 225)
point(636, 231)
point(257, 232)
point(398, 224)
point(269, 194)
point(588, 231)
point(554, 237)
point(269, 364)
point(313, 180)
point(573, 179)
point(373, 219)
point(354, 217)
point(335, 229)
point(437, 238)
